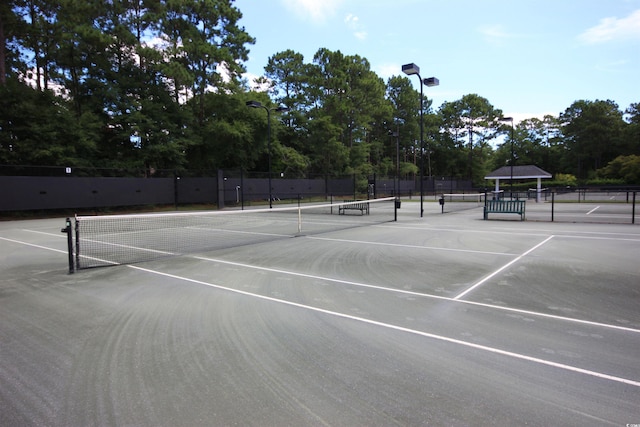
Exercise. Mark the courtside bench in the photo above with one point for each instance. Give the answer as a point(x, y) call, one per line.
point(504, 206)
point(363, 207)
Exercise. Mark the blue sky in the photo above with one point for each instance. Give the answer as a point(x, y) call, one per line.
point(527, 57)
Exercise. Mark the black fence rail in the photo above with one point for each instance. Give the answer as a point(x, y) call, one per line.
point(611, 206)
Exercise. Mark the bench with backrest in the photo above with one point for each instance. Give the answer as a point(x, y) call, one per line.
point(504, 206)
point(350, 205)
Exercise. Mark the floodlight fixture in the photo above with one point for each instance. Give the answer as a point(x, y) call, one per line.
point(411, 69)
point(431, 81)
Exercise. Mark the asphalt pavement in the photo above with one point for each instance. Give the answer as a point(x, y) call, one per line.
point(442, 320)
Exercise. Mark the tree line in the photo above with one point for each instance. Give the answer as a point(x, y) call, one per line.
point(153, 85)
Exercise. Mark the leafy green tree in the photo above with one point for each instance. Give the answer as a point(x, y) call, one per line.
point(288, 78)
point(205, 38)
point(593, 134)
point(626, 168)
point(453, 157)
point(12, 35)
point(404, 126)
point(33, 124)
point(631, 133)
point(530, 143)
point(348, 98)
point(479, 119)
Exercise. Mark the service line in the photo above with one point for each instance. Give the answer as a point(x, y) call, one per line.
point(418, 294)
point(402, 329)
point(384, 288)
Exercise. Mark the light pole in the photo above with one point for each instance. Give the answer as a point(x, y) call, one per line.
point(510, 119)
point(396, 183)
point(411, 69)
point(256, 104)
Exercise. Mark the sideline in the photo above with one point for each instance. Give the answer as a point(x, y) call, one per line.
point(401, 329)
point(33, 245)
point(421, 294)
point(390, 326)
point(381, 288)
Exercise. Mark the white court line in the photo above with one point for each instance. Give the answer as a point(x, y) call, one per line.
point(383, 288)
point(502, 268)
point(398, 245)
point(381, 324)
point(421, 294)
point(593, 210)
point(531, 232)
point(402, 329)
point(35, 246)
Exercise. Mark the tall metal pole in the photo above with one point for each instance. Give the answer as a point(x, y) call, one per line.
point(256, 104)
point(510, 119)
point(512, 158)
point(269, 149)
point(397, 182)
point(421, 148)
point(411, 69)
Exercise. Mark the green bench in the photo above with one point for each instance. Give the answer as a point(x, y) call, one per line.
point(363, 207)
point(503, 207)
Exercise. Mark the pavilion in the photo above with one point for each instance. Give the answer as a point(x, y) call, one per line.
point(519, 172)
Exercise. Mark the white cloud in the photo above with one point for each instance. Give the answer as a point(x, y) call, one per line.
point(313, 10)
point(353, 23)
point(385, 71)
point(613, 29)
point(614, 66)
point(494, 34)
point(361, 35)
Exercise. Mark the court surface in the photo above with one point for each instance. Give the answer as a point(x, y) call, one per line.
point(442, 320)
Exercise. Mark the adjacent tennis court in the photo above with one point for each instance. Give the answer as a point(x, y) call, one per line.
point(442, 320)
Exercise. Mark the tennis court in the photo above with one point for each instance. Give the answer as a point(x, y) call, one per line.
point(442, 320)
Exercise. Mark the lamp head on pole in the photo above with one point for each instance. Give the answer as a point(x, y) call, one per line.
point(254, 104)
point(281, 109)
point(410, 69)
point(431, 81)
point(506, 119)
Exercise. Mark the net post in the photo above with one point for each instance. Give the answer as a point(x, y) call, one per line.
point(396, 200)
point(67, 230)
point(77, 243)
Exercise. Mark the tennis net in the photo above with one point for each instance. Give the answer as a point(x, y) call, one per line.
point(126, 239)
point(460, 201)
